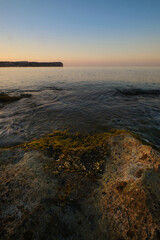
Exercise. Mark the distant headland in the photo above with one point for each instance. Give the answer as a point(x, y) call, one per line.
point(30, 64)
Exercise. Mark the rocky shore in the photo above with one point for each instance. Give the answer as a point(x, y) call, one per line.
point(70, 187)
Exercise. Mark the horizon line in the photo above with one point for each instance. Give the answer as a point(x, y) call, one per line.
point(91, 64)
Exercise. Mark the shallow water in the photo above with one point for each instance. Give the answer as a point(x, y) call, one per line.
point(87, 100)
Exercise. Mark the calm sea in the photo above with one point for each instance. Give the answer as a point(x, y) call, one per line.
point(86, 100)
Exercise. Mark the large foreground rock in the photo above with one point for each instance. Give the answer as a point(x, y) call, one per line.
point(110, 192)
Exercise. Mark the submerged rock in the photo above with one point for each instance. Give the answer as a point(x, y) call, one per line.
point(6, 99)
point(64, 186)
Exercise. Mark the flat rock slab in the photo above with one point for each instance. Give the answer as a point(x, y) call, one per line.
point(43, 197)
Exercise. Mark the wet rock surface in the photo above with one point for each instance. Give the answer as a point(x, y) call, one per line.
point(74, 187)
point(6, 98)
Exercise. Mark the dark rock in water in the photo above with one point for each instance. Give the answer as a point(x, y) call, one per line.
point(139, 92)
point(25, 95)
point(6, 99)
point(104, 186)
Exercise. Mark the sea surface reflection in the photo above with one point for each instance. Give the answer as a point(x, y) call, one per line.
point(86, 100)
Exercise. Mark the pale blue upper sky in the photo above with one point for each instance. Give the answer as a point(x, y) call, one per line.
point(82, 32)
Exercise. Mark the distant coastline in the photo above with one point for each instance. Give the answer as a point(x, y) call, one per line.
point(30, 64)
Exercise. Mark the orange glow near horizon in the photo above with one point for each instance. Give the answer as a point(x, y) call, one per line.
point(90, 61)
point(81, 33)
point(80, 57)
point(111, 54)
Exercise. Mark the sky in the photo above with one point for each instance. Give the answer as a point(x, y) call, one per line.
point(81, 33)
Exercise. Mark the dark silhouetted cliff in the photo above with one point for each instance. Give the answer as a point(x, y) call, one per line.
point(31, 64)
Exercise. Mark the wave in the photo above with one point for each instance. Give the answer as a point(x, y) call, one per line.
point(52, 88)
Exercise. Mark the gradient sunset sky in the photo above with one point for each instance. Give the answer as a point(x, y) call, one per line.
point(86, 32)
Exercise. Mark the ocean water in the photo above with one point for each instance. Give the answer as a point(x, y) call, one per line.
point(86, 100)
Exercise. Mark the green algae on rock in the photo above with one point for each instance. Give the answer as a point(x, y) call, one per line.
point(84, 154)
point(66, 140)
